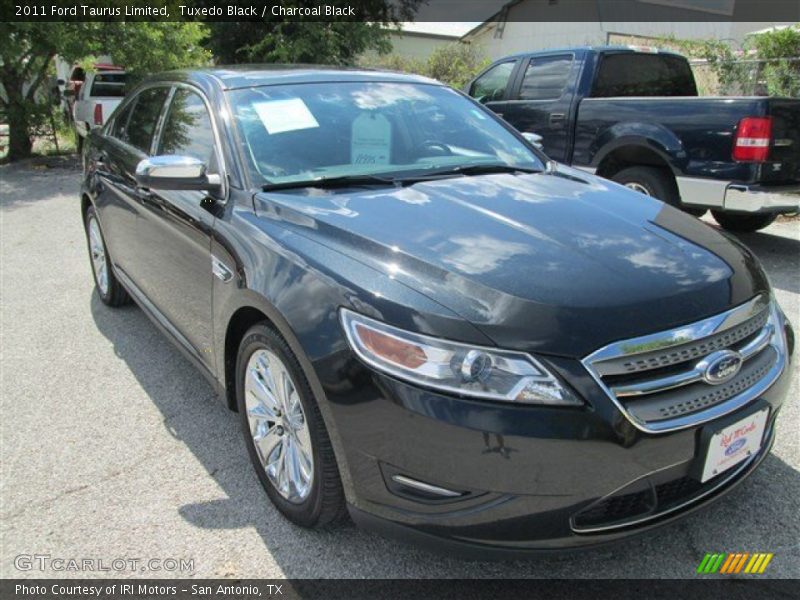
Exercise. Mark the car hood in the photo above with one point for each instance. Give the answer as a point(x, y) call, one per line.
point(559, 263)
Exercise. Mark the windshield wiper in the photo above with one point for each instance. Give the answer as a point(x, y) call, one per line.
point(479, 169)
point(330, 182)
point(356, 180)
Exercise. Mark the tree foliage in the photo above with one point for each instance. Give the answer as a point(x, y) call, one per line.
point(311, 42)
point(28, 50)
point(781, 48)
point(771, 58)
point(148, 47)
point(454, 64)
point(306, 40)
point(26, 57)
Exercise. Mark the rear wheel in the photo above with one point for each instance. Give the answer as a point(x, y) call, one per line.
point(284, 432)
point(656, 182)
point(108, 288)
point(743, 222)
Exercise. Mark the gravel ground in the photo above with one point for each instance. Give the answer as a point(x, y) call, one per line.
point(113, 446)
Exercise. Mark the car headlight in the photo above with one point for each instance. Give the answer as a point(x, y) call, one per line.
point(453, 367)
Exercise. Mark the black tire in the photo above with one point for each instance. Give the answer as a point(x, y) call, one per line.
point(655, 182)
point(325, 503)
point(743, 223)
point(115, 295)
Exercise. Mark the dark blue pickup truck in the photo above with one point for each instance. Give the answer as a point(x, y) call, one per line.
point(633, 115)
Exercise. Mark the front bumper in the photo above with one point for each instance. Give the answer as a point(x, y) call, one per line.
point(523, 472)
point(482, 549)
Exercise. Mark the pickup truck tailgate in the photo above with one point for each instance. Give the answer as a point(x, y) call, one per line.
point(784, 165)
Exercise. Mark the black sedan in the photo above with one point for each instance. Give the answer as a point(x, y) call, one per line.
point(425, 323)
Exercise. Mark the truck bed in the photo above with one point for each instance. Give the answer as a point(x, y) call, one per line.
point(698, 131)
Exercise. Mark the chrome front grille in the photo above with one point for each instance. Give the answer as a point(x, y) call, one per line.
point(669, 380)
point(686, 351)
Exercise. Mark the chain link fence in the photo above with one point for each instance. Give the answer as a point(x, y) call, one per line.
point(748, 77)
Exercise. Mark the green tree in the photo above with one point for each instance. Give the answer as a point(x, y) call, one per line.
point(28, 50)
point(772, 57)
point(454, 64)
point(150, 47)
point(26, 58)
point(780, 48)
point(306, 40)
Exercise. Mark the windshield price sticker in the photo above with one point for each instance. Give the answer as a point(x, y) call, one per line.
point(371, 142)
point(279, 116)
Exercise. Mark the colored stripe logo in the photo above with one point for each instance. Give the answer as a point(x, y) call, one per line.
point(732, 563)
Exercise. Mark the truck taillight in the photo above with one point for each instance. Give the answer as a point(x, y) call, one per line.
point(753, 137)
point(98, 114)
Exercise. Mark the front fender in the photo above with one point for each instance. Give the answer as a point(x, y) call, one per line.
point(299, 285)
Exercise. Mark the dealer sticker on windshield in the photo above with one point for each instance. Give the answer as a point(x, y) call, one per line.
point(289, 114)
point(734, 444)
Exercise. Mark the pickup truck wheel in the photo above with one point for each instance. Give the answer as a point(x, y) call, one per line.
point(743, 223)
point(650, 181)
point(108, 288)
point(284, 432)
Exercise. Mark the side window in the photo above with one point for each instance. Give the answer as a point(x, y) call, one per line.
point(492, 85)
point(187, 130)
point(143, 119)
point(545, 78)
point(118, 129)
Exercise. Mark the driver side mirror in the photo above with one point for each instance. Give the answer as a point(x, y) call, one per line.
point(534, 139)
point(176, 173)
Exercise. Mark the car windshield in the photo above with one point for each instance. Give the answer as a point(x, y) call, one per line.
point(307, 132)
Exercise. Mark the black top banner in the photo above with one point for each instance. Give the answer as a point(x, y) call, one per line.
point(403, 10)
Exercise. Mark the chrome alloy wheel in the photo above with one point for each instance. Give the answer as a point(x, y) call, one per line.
point(278, 426)
point(637, 187)
point(98, 254)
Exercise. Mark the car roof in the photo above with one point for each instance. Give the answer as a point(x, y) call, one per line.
point(640, 48)
point(245, 76)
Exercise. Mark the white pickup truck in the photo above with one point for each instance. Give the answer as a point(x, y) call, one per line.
point(100, 94)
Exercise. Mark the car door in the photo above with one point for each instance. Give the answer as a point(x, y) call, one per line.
point(541, 102)
point(124, 143)
point(176, 228)
point(492, 87)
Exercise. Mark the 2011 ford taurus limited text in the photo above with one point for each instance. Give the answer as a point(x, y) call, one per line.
point(424, 322)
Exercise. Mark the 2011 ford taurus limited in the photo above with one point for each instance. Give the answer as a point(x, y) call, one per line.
point(425, 323)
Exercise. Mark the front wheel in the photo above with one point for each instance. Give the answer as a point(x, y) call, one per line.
point(284, 432)
point(742, 222)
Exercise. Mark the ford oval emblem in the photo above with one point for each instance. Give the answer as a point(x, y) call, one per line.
point(735, 446)
point(721, 366)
